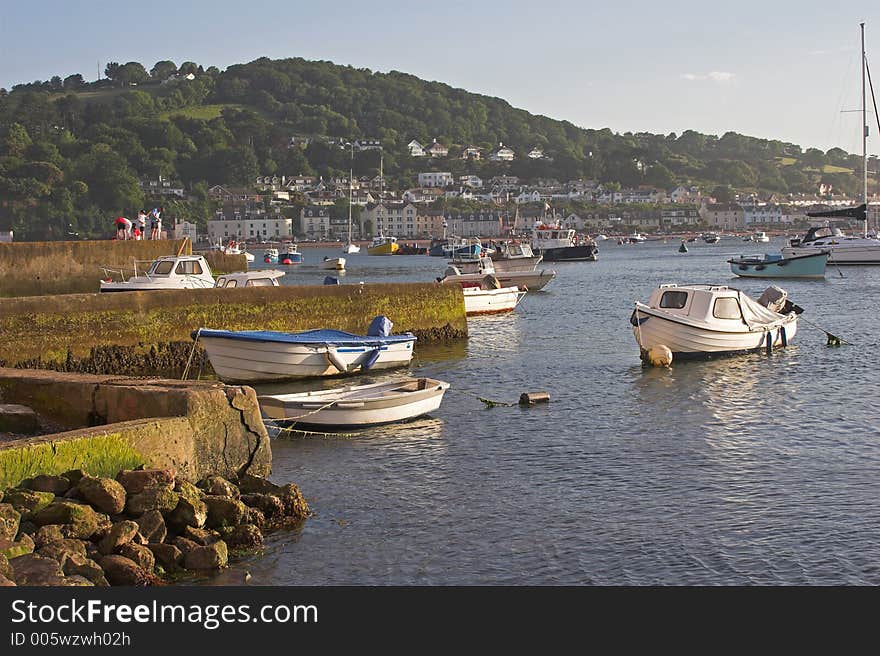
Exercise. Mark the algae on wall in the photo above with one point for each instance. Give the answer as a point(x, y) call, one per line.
point(147, 333)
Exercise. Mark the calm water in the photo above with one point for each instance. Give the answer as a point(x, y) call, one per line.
point(747, 470)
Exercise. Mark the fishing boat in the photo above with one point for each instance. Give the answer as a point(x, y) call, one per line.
point(811, 265)
point(478, 269)
point(635, 238)
point(270, 256)
point(290, 254)
point(382, 245)
point(256, 278)
point(487, 296)
point(248, 356)
point(356, 406)
point(760, 237)
point(166, 272)
point(234, 248)
point(843, 249)
point(557, 244)
point(333, 263)
point(699, 320)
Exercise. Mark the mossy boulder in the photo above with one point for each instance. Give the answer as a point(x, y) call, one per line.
point(57, 485)
point(201, 536)
point(10, 519)
point(63, 549)
point(244, 537)
point(219, 486)
point(120, 570)
point(121, 533)
point(212, 556)
point(159, 497)
point(77, 564)
point(250, 484)
point(13, 549)
point(104, 494)
point(33, 569)
point(270, 505)
point(28, 501)
point(167, 555)
point(139, 554)
point(190, 510)
point(152, 526)
point(81, 520)
point(136, 481)
point(224, 511)
point(48, 534)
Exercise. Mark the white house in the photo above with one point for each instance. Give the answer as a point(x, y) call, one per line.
point(471, 181)
point(471, 152)
point(185, 229)
point(416, 149)
point(368, 144)
point(503, 154)
point(528, 196)
point(436, 179)
point(242, 227)
point(437, 150)
point(536, 153)
point(762, 214)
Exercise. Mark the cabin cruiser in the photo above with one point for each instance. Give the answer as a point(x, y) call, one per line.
point(166, 272)
point(696, 320)
point(841, 248)
point(557, 244)
point(514, 256)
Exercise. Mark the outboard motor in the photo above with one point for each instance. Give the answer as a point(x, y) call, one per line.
point(773, 298)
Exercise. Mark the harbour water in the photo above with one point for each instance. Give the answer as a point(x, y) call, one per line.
point(753, 469)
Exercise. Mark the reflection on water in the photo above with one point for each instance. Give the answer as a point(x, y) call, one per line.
point(750, 469)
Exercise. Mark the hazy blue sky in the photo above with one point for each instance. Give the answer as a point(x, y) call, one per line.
point(781, 70)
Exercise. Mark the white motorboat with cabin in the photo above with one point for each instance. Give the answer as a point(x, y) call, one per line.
point(333, 264)
point(166, 272)
point(557, 244)
point(256, 278)
point(248, 356)
point(698, 320)
point(356, 406)
point(474, 271)
point(511, 256)
point(711, 237)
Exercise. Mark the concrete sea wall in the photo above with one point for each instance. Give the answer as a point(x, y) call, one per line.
point(70, 267)
point(148, 333)
point(106, 424)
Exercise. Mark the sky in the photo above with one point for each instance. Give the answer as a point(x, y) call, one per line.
point(777, 70)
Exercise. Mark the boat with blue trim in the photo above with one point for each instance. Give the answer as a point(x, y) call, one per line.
point(772, 265)
point(248, 356)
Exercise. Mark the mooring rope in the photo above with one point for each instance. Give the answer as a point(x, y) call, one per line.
point(191, 354)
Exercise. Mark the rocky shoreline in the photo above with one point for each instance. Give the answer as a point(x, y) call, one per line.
point(145, 527)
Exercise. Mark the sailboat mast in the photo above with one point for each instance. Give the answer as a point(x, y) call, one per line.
point(864, 135)
point(350, 184)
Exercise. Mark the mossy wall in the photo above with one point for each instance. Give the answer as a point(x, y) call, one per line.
point(37, 268)
point(148, 333)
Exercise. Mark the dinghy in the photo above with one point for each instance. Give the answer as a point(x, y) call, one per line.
point(356, 406)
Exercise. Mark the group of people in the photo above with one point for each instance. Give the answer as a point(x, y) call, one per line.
point(126, 229)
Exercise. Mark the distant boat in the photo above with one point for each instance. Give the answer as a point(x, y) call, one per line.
point(270, 256)
point(333, 263)
point(290, 255)
point(357, 406)
point(811, 265)
point(383, 246)
point(711, 237)
point(558, 244)
point(704, 320)
point(350, 248)
point(683, 248)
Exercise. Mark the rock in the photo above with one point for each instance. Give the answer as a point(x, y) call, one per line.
point(212, 556)
point(224, 511)
point(167, 555)
point(10, 519)
point(28, 527)
point(74, 493)
point(5, 582)
point(249, 484)
point(32, 569)
point(270, 505)
point(104, 525)
point(104, 494)
point(13, 549)
point(76, 580)
point(63, 549)
point(57, 485)
point(120, 570)
point(157, 497)
point(136, 481)
point(5, 568)
point(184, 544)
point(245, 536)
point(190, 510)
point(140, 554)
point(82, 521)
point(74, 476)
point(256, 517)
point(152, 526)
point(85, 567)
point(294, 503)
point(219, 486)
point(18, 419)
point(120, 534)
point(28, 501)
point(47, 534)
point(201, 536)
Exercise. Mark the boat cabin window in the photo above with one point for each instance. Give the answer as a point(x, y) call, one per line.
point(231, 283)
point(259, 282)
point(673, 300)
point(189, 267)
point(163, 268)
point(726, 308)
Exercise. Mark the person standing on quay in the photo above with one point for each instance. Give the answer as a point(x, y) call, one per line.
point(156, 222)
point(142, 223)
point(123, 228)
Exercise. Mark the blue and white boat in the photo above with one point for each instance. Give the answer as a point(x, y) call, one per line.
point(290, 255)
point(249, 356)
point(777, 266)
point(270, 256)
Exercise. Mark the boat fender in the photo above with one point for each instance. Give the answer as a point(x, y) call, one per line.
point(783, 336)
point(660, 355)
point(370, 359)
point(334, 359)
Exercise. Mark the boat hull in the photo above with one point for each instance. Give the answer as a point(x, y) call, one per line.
point(490, 301)
point(333, 264)
point(290, 258)
point(239, 361)
point(355, 407)
point(383, 249)
point(581, 253)
point(523, 280)
point(861, 254)
point(684, 339)
point(805, 266)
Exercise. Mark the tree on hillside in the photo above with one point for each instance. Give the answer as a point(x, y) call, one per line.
point(73, 82)
point(188, 67)
point(162, 70)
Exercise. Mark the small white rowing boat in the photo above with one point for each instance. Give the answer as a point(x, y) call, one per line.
point(358, 405)
point(333, 263)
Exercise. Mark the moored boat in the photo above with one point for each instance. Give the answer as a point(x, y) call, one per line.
point(333, 263)
point(356, 406)
point(711, 237)
point(290, 254)
point(382, 245)
point(488, 296)
point(811, 265)
point(475, 271)
point(166, 272)
point(247, 356)
point(270, 256)
point(256, 278)
point(514, 256)
point(699, 320)
point(558, 244)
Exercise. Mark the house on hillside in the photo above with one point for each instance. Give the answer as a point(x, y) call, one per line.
point(536, 153)
point(503, 154)
point(367, 144)
point(471, 152)
point(437, 150)
point(436, 179)
point(416, 149)
point(471, 181)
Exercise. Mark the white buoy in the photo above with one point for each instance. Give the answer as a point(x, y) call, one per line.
point(660, 355)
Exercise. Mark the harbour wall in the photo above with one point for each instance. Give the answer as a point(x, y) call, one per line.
point(149, 333)
point(106, 424)
point(39, 268)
